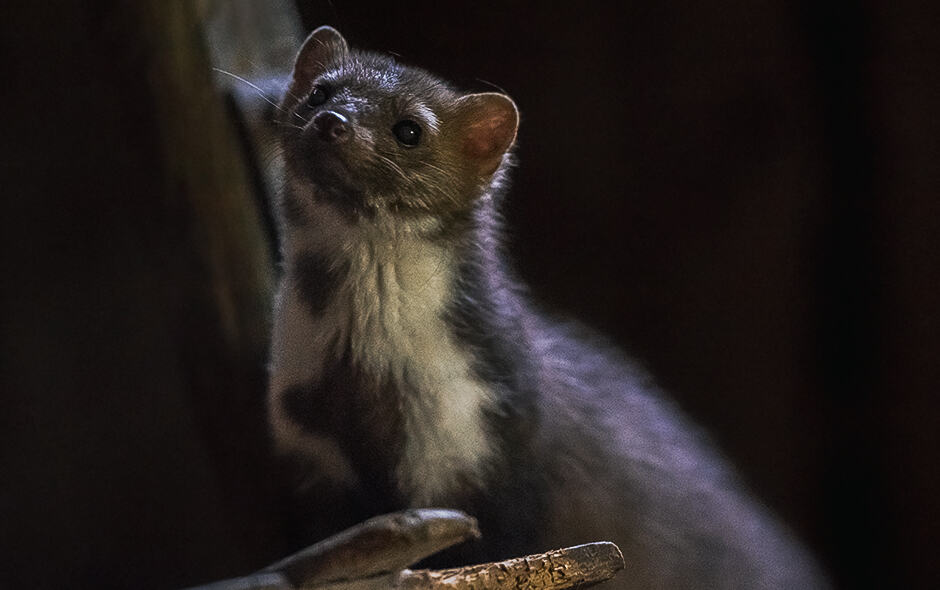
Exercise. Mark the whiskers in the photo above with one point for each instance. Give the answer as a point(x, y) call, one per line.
point(383, 156)
point(433, 167)
point(392, 165)
point(497, 87)
point(287, 125)
point(260, 91)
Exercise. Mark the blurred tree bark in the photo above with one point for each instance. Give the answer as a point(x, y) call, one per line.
point(138, 279)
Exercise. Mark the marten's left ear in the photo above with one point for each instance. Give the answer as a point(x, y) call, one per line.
point(321, 48)
point(488, 124)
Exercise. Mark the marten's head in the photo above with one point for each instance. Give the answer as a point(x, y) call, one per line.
point(374, 137)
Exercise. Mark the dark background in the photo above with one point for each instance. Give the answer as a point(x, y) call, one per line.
point(743, 194)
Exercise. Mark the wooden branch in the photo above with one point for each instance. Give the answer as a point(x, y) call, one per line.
point(574, 567)
point(383, 544)
point(260, 581)
point(374, 555)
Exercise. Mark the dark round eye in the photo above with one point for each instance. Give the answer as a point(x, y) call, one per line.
point(407, 132)
point(318, 96)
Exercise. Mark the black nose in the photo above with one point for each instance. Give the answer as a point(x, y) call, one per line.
point(331, 126)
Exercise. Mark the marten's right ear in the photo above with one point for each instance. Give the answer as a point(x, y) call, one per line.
point(489, 121)
point(323, 46)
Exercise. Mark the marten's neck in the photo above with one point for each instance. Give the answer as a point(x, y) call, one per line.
point(408, 313)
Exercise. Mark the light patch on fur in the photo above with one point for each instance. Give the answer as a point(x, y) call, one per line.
point(396, 294)
point(298, 348)
point(427, 116)
point(390, 311)
point(327, 222)
point(297, 341)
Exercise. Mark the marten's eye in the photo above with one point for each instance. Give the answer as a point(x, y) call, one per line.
point(318, 96)
point(407, 132)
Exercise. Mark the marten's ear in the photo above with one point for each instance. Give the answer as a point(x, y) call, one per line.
point(322, 46)
point(488, 124)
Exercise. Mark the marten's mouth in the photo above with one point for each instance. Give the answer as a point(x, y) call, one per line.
point(334, 178)
point(324, 163)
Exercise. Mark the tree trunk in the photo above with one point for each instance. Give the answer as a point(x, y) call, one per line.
point(136, 293)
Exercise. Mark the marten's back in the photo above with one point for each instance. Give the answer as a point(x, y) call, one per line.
point(625, 465)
